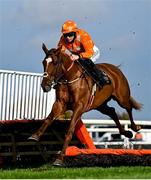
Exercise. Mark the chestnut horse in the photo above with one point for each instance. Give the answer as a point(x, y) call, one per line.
point(73, 91)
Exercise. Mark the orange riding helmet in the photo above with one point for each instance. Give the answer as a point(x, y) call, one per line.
point(69, 26)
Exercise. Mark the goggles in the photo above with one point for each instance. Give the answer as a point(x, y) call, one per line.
point(69, 34)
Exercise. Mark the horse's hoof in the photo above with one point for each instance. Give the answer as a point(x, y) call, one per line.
point(128, 134)
point(33, 138)
point(58, 163)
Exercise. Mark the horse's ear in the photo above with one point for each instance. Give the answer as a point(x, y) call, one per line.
point(44, 48)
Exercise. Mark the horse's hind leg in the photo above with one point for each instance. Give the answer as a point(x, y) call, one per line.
point(110, 111)
point(127, 104)
point(134, 127)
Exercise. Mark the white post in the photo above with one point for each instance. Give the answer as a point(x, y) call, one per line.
point(12, 98)
point(37, 100)
point(23, 97)
point(4, 98)
point(16, 97)
point(1, 90)
point(8, 97)
point(19, 97)
point(30, 98)
point(34, 97)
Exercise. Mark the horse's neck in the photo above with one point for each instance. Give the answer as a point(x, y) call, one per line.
point(71, 70)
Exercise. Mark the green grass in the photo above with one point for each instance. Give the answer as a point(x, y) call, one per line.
point(50, 172)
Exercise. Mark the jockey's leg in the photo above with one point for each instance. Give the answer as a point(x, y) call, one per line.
point(97, 74)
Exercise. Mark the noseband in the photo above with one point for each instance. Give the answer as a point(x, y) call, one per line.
point(45, 74)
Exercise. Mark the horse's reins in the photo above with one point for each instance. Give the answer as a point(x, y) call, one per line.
point(66, 71)
point(91, 99)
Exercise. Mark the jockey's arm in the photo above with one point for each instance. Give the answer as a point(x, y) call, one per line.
point(73, 57)
point(91, 51)
point(87, 45)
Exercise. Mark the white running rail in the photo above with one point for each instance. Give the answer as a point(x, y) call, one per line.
point(96, 126)
point(21, 96)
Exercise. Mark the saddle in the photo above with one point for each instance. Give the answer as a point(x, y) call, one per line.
point(99, 76)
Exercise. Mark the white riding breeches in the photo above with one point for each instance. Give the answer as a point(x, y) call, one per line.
point(96, 54)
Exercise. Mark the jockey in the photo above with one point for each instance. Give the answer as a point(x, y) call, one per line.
point(78, 44)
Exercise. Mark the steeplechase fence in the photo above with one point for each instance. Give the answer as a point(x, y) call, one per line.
point(24, 106)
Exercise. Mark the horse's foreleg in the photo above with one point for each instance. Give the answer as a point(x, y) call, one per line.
point(75, 117)
point(58, 108)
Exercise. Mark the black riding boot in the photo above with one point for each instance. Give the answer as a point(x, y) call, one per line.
point(101, 76)
point(97, 74)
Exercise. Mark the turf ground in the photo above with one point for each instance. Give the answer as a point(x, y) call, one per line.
point(49, 172)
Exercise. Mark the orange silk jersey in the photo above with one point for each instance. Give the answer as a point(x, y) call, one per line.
point(82, 45)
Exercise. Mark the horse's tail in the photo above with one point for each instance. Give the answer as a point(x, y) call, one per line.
point(136, 105)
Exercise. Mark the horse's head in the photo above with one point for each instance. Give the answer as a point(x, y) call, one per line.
point(51, 64)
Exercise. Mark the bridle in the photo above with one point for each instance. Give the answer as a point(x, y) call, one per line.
point(59, 78)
